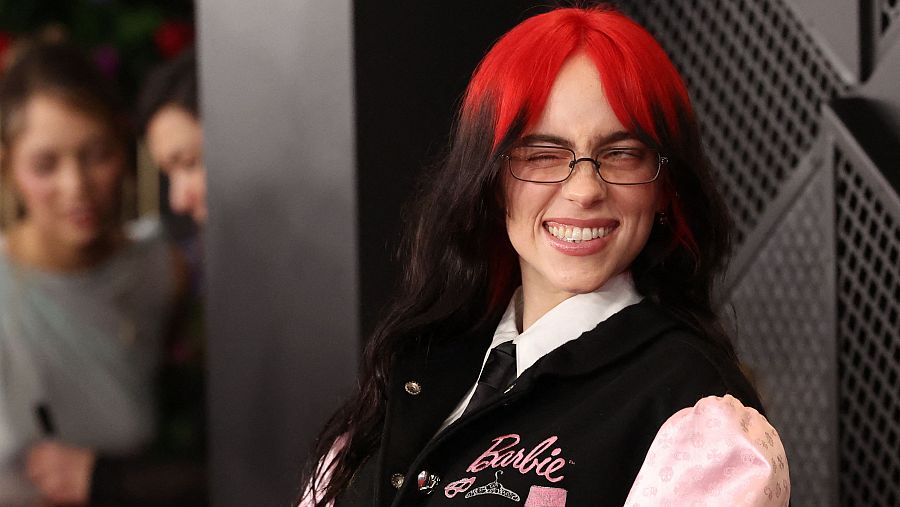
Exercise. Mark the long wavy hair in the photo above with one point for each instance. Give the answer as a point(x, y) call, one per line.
point(460, 268)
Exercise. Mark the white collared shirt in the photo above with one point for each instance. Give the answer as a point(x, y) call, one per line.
point(563, 323)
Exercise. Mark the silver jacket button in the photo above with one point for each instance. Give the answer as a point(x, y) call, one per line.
point(427, 481)
point(412, 387)
point(397, 481)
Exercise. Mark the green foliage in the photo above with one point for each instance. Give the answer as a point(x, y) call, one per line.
point(122, 34)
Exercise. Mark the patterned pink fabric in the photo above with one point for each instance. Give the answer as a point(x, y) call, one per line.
point(716, 453)
point(323, 474)
point(540, 496)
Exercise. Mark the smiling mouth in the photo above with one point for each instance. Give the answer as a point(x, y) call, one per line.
point(573, 234)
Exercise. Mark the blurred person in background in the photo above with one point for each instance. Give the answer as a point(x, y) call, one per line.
point(85, 300)
point(169, 112)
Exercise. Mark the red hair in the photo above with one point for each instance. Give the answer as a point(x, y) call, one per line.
point(641, 84)
point(638, 78)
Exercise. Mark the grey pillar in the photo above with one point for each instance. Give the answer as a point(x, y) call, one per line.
point(277, 102)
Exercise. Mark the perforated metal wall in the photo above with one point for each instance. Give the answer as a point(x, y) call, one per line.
point(786, 337)
point(815, 284)
point(888, 14)
point(868, 246)
point(757, 80)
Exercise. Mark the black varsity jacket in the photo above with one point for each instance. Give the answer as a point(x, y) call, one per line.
point(575, 427)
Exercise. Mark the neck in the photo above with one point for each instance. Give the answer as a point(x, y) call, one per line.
point(538, 298)
point(536, 302)
point(30, 246)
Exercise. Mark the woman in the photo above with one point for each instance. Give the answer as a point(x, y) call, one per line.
point(84, 303)
point(554, 341)
point(170, 117)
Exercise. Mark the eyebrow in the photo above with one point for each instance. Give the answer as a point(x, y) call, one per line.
point(619, 135)
point(177, 155)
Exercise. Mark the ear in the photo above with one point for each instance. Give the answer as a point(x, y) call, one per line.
point(667, 192)
point(664, 197)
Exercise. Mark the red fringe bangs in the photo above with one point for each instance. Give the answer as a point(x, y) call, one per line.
point(638, 78)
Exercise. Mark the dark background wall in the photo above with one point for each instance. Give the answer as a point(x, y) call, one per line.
point(413, 61)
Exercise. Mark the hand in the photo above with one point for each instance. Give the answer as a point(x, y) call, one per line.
point(60, 472)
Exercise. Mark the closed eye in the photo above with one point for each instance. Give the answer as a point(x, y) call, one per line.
point(623, 153)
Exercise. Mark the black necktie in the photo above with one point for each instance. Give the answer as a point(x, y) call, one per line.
point(499, 371)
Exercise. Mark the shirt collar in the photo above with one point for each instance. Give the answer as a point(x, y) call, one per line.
point(565, 322)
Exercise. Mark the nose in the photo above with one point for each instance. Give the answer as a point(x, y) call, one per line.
point(74, 174)
point(180, 194)
point(584, 186)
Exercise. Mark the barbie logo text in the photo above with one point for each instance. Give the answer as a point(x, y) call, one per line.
point(503, 454)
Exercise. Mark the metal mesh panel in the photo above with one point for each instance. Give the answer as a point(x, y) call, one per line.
point(784, 308)
point(889, 12)
point(757, 80)
point(868, 225)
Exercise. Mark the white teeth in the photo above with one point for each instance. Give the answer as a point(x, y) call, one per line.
point(578, 234)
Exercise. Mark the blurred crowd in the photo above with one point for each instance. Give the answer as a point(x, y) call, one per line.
point(101, 325)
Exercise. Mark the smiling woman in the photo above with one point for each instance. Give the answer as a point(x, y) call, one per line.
point(554, 341)
point(555, 268)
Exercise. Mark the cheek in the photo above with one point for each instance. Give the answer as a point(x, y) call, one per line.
point(525, 203)
point(635, 202)
point(198, 183)
point(34, 190)
point(106, 179)
point(638, 207)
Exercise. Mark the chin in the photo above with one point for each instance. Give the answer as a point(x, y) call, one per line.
point(582, 283)
point(82, 238)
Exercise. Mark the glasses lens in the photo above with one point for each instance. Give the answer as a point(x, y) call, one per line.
point(628, 165)
point(542, 164)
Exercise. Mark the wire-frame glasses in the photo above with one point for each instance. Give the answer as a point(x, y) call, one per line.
point(631, 165)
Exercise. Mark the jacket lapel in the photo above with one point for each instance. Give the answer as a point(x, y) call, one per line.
point(424, 388)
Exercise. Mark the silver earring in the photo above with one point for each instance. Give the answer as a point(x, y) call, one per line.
point(661, 218)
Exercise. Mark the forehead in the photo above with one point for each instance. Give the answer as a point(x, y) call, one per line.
point(171, 129)
point(577, 109)
point(52, 122)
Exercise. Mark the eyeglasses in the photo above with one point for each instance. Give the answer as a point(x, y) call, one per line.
point(553, 164)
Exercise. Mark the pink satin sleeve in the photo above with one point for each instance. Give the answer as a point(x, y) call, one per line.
point(323, 475)
point(717, 452)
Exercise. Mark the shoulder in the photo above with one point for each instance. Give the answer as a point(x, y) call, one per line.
point(665, 363)
point(683, 368)
point(152, 257)
point(147, 236)
point(687, 367)
point(717, 450)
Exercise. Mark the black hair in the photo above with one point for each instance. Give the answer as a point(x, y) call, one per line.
point(171, 83)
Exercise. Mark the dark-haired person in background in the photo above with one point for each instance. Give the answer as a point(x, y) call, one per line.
point(555, 341)
point(169, 113)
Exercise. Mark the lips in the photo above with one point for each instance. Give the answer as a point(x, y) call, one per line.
point(579, 237)
point(82, 217)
